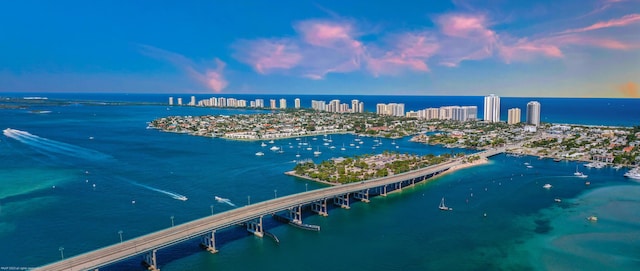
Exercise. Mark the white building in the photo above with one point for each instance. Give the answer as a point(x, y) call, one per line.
point(533, 113)
point(283, 103)
point(170, 100)
point(296, 103)
point(492, 108)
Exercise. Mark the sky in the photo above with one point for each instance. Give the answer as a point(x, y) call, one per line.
point(546, 48)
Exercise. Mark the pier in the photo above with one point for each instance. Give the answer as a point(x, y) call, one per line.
point(251, 216)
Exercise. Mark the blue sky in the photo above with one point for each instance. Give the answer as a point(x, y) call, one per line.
point(573, 48)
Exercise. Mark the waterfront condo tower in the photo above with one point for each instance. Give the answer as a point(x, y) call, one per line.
point(492, 108)
point(533, 113)
point(514, 116)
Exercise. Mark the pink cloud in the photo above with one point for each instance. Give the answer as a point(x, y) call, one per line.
point(624, 21)
point(339, 35)
point(575, 39)
point(266, 55)
point(470, 26)
point(211, 78)
point(410, 51)
point(524, 50)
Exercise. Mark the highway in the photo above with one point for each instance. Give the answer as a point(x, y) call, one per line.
point(167, 237)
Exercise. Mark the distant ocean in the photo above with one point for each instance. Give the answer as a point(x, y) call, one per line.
point(72, 176)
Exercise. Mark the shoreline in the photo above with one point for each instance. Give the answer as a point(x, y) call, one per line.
point(455, 168)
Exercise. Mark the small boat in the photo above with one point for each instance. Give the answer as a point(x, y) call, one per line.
point(557, 200)
point(547, 186)
point(579, 174)
point(259, 153)
point(274, 148)
point(317, 152)
point(587, 183)
point(298, 155)
point(271, 141)
point(263, 144)
point(444, 207)
point(332, 147)
point(592, 218)
point(529, 166)
point(343, 148)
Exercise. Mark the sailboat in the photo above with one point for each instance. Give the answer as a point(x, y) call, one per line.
point(343, 148)
point(444, 207)
point(317, 152)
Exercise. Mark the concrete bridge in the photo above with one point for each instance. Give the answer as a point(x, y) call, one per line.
point(251, 215)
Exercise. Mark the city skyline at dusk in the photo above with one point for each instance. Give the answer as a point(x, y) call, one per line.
point(513, 49)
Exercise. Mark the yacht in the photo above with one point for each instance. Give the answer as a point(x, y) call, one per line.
point(274, 148)
point(633, 174)
point(592, 218)
point(557, 200)
point(444, 207)
point(263, 144)
point(547, 186)
point(317, 152)
point(579, 174)
point(343, 148)
point(259, 153)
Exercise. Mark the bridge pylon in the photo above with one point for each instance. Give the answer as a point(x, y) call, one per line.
point(151, 261)
point(342, 201)
point(209, 242)
point(255, 226)
point(320, 207)
point(295, 214)
point(362, 195)
point(383, 190)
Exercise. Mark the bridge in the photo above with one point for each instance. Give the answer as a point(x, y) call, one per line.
point(251, 215)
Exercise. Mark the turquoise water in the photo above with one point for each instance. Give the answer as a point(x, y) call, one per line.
point(48, 200)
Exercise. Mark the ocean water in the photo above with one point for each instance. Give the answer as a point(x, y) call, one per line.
point(74, 177)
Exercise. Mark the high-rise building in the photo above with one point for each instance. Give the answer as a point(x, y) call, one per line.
point(259, 103)
point(514, 116)
point(296, 103)
point(392, 109)
point(355, 106)
point(533, 113)
point(193, 101)
point(272, 103)
point(179, 101)
point(170, 100)
point(283, 103)
point(492, 108)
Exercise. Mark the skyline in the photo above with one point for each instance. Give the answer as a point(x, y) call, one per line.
point(541, 49)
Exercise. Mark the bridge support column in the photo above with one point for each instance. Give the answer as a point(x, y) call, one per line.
point(320, 207)
point(295, 214)
point(362, 195)
point(209, 242)
point(150, 260)
point(255, 227)
point(383, 190)
point(398, 186)
point(342, 201)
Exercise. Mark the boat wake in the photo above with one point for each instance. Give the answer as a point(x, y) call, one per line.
point(49, 147)
point(225, 201)
point(168, 193)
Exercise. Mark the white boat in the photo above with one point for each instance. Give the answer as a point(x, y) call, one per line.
point(547, 186)
point(298, 155)
point(557, 200)
point(592, 218)
point(393, 142)
point(274, 148)
point(444, 207)
point(281, 150)
point(633, 174)
point(332, 147)
point(317, 152)
point(579, 174)
point(259, 153)
point(271, 141)
point(309, 148)
point(263, 144)
point(343, 148)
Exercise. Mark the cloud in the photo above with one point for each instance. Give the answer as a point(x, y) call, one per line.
point(620, 22)
point(267, 55)
point(212, 78)
point(629, 90)
point(409, 51)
